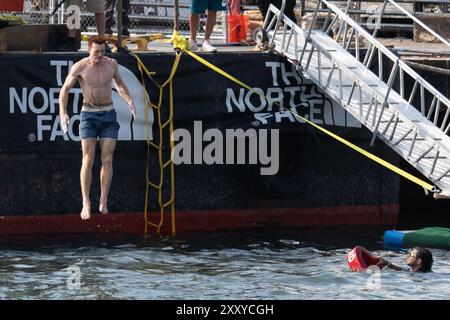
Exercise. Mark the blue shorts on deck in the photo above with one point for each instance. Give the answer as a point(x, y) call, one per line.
point(100, 124)
point(199, 6)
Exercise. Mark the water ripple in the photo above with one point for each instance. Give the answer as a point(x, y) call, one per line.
point(294, 267)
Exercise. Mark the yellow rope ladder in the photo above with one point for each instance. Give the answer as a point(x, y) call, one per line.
point(164, 164)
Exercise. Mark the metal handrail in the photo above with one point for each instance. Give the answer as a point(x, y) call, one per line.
point(374, 42)
point(382, 112)
point(277, 25)
point(400, 66)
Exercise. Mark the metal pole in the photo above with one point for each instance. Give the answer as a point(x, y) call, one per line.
point(175, 15)
point(62, 11)
point(51, 7)
point(119, 24)
point(225, 25)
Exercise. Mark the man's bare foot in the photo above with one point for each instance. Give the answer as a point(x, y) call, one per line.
point(85, 213)
point(103, 209)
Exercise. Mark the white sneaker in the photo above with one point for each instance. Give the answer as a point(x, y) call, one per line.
point(193, 45)
point(207, 47)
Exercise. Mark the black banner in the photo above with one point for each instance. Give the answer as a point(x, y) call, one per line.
point(39, 165)
point(29, 91)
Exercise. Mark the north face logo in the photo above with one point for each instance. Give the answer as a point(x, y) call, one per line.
point(44, 104)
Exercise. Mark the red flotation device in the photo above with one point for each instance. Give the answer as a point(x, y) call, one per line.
point(359, 259)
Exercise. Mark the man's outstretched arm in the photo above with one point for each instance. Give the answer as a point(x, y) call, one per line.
point(382, 263)
point(122, 90)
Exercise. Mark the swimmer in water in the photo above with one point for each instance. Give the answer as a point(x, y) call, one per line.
point(418, 260)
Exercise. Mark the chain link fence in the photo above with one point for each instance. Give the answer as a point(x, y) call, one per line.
point(157, 16)
point(146, 17)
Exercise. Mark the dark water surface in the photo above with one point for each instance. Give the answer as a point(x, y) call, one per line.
point(265, 264)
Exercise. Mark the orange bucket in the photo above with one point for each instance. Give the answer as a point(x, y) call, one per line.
point(11, 5)
point(237, 27)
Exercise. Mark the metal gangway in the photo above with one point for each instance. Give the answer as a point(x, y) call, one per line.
point(337, 54)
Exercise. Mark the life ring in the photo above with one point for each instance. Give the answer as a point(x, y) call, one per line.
point(359, 259)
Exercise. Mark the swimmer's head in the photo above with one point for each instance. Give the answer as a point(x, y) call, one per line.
point(420, 259)
point(96, 47)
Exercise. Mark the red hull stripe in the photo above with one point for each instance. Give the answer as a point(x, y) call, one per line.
point(208, 220)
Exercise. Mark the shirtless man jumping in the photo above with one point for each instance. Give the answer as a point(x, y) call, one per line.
point(98, 118)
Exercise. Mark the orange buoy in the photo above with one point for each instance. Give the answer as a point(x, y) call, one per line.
point(359, 259)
